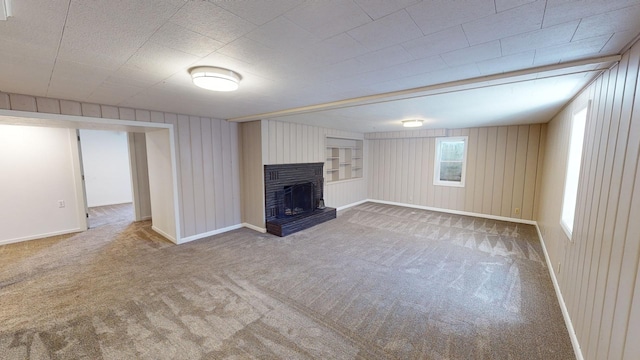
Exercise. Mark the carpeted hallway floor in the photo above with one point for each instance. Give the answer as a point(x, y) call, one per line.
point(379, 282)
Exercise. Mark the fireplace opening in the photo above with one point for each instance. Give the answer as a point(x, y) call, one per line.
point(296, 199)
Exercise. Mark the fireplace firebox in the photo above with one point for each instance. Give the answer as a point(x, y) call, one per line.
point(294, 197)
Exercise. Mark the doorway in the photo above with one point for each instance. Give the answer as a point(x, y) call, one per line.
point(106, 173)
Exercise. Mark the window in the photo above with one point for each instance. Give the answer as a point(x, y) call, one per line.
point(573, 171)
point(451, 159)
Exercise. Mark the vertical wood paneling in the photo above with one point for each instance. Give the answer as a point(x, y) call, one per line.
point(218, 169)
point(599, 269)
point(490, 166)
point(480, 164)
point(469, 187)
point(402, 170)
point(509, 171)
point(186, 172)
point(208, 173)
point(227, 171)
point(520, 169)
point(531, 169)
point(498, 172)
point(197, 167)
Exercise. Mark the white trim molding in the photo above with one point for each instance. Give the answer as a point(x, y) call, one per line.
point(255, 228)
point(209, 233)
point(41, 236)
point(565, 313)
point(457, 212)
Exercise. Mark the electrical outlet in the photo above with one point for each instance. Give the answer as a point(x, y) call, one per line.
point(516, 211)
point(61, 203)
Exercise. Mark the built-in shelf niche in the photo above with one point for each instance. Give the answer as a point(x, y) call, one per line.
point(343, 159)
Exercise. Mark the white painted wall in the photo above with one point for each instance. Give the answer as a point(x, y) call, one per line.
point(105, 156)
point(39, 168)
point(162, 183)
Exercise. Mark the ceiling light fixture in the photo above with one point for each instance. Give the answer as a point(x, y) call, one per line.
point(5, 9)
point(215, 78)
point(412, 123)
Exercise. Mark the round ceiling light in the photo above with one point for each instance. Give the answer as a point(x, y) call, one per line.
point(215, 78)
point(412, 123)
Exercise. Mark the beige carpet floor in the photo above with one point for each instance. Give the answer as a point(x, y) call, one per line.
point(109, 214)
point(379, 282)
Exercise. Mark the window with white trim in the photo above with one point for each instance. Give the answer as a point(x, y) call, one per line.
point(451, 161)
point(578, 123)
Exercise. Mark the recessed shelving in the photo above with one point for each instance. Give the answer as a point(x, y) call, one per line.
point(344, 159)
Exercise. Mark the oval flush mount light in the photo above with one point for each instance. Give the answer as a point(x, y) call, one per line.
point(215, 78)
point(412, 123)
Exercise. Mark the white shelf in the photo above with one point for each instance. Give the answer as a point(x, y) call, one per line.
point(344, 159)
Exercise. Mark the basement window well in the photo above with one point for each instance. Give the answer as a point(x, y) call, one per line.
point(451, 161)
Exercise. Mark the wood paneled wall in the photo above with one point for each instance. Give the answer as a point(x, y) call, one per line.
point(287, 143)
point(207, 156)
point(597, 270)
point(501, 175)
point(251, 176)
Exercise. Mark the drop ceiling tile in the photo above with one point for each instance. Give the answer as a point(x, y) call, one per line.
point(437, 15)
point(328, 17)
point(560, 11)
point(609, 23)
point(113, 93)
point(379, 8)
point(384, 58)
point(389, 30)
point(502, 5)
point(618, 42)
point(24, 75)
point(247, 50)
point(518, 20)
point(437, 43)
point(106, 33)
point(503, 64)
point(554, 35)
point(572, 51)
point(259, 12)
point(210, 20)
point(157, 59)
point(179, 38)
point(335, 49)
point(35, 24)
point(284, 35)
point(471, 54)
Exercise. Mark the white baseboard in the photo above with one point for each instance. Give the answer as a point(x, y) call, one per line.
point(169, 237)
point(209, 233)
point(340, 208)
point(40, 236)
point(565, 313)
point(457, 212)
point(255, 228)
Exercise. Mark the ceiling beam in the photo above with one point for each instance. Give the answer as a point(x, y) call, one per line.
point(434, 89)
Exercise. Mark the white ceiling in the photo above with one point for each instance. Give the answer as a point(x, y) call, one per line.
point(295, 53)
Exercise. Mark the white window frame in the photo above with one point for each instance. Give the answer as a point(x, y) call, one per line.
point(572, 174)
point(436, 173)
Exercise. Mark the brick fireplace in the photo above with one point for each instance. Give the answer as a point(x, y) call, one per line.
point(294, 197)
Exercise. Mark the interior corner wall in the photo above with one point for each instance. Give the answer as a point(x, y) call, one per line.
point(597, 272)
point(290, 143)
point(105, 158)
point(502, 171)
point(252, 174)
point(207, 157)
point(38, 171)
